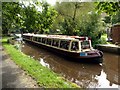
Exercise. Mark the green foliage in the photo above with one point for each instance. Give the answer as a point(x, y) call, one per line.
point(112, 9)
point(10, 16)
point(31, 18)
point(18, 16)
point(68, 27)
point(107, 19)
point(108, 7)
point(102, 40)
point(44, 76)
point(111, 20)
point(70, 16)
point(92, 27)
point(116, 18)
point(47, 17)
point(82, 21)
point(39, 21)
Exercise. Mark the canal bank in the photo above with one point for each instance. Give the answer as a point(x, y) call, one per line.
point(45, 77)
point(13, 76)
point(110, 48)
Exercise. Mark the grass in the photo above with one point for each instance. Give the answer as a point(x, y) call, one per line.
point(45, 77)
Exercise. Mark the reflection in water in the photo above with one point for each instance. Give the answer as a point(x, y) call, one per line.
point(43, 63)
point(83, 74)
point(111, 69)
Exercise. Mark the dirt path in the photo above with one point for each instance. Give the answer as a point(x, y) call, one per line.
point(13, 76)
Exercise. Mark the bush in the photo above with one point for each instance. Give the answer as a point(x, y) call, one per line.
point(92, 27)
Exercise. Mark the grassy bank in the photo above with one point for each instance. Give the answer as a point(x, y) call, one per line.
point(44, 76)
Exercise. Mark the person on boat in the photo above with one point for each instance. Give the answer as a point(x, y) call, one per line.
point(74, 46)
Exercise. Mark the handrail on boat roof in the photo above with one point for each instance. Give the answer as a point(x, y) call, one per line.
point(64, 37)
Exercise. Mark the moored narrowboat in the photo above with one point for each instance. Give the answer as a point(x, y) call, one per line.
point(76, 47)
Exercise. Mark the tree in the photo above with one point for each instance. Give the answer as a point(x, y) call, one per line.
point(48, 16)
point(69, 23)
point(31, 18)
point(39, 21)
point(10, 16)
point(80, 19)
point(116, 18)
point(110, 8)
point(26, 18)
point(70, 15)
point(92, 27)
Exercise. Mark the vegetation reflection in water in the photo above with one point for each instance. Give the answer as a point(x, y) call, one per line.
point(83, 74)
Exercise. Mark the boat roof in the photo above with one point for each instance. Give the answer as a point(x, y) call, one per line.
point(56, 36)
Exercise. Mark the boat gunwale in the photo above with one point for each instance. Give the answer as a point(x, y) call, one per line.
point(80, 57)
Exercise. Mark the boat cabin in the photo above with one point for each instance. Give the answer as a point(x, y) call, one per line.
point(67, 43)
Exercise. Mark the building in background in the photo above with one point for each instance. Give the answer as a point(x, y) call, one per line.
point(115, 34)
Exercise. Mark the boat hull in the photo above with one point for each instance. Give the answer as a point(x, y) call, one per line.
point(73, 56)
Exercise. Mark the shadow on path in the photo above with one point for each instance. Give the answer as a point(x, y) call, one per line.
point(8, 77)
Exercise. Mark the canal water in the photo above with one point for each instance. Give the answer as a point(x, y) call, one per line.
point(86, 75)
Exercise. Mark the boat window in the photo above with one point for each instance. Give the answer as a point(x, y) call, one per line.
point(39, 39)
point(43, 40)
point(55, 43)
point(24, 36)
point(35, 38)
point(30, 37)
point(49, 41)
point(75, 46)
point(64, 44)
point(85, 45)
point(27, 37)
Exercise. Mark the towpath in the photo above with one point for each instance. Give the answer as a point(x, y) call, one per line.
point(13, 76)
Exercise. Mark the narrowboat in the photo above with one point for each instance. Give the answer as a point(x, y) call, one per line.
point(76, 47)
